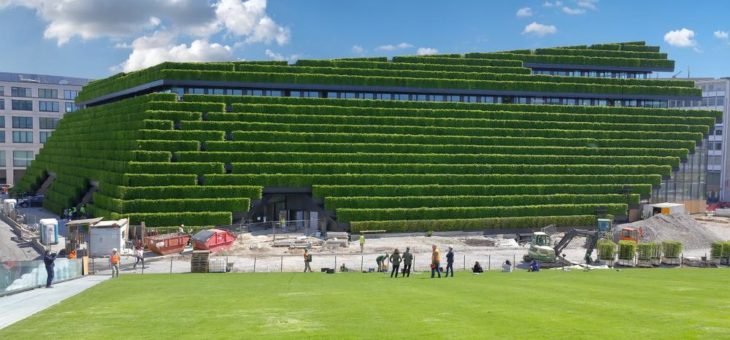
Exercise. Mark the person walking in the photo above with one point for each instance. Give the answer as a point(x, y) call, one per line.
point(395, 259)
point(307, 260)
point(450, 262)
point(138, 254)
point(435, 261)
point(114, 262)
point(49, 259)
point(407, 260)
point(362, 243)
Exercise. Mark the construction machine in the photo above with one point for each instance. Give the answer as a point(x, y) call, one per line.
point(541, 250)
point(631, 234)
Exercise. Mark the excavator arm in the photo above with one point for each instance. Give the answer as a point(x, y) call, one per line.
point(591, 235)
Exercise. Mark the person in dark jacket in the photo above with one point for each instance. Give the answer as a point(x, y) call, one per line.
point(477, 269)
point(450, 262)
point(407, 260)
point(49, 260)
point(534, 266)
point(395, 259)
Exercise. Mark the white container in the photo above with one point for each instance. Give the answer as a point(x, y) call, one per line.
point(107, 235)
point(49, 231)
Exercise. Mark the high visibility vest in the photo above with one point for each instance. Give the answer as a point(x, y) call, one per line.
point(115, 259)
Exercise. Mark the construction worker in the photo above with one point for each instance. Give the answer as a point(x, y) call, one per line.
point(450, 262)
point(71, 255)
point(407, 261)
point(362, 243)
point(435, 261)
point(114, 261)
point(82, 211)
point(307, 260)
point(380, 260)
point(395, 260)
point(49, 259)
point(72, 214)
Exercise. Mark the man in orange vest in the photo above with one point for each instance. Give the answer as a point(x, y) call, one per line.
point(114, 261)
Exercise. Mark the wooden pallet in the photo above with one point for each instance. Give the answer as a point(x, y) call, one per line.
point(199, 261)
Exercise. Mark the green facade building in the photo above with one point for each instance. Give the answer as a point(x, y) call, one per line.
point(515, 139)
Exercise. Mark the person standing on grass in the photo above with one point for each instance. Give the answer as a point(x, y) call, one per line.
point(307, 260)
point(362, 243)
point(49, 259)
point(139, 254)
point(114, 261)
point(435, 261)
point(407, 260)
point(450, 262)
point(395, 260)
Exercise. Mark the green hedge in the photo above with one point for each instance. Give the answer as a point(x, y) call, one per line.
point(186, 205)
point(647, 251)
point(375, 202)
point(576, 60)
point(191, 191)
point(473, 190)
point(145, 180)
point(385, 65)
point(177, 135)
point(385, 214)
point(474, 224)
point(601, 53)
point(720, 250)
point(305, 180)
point(606, 250)
point(175, 168)
point(169, 145)
point(377, 168)
point(515, 62)
point(671, 249)
point(178, 218)
point(626, 250)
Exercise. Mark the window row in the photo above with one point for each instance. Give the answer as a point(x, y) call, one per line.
point(20, 158)
point(422, 97)
point(43, 106)
point(44, 123)
point(592, 74)
point(705, 101)
point(26, 92)
point(26, 137)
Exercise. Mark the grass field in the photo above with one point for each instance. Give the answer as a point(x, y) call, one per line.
point(627, 304)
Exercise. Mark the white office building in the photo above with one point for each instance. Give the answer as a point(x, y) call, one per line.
point(30, 108)
point(714, 97)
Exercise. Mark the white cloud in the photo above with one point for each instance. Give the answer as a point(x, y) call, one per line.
point(722, 35)
point(589, 4)
point(524, 12)
point(390, 47)
point(552, 4)
point(249, 19)
point(357, 49)
point(573, 11)
point(280, 57)
point(681, 38)
point(426, 51)
point(539, 30)
point(161, 46)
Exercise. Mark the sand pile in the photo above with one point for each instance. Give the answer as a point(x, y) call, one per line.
point(683, 228)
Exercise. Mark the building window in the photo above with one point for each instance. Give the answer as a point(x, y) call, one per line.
point(70, 94)
point(2, 104)
point(22, 105)
point(43, 136)
point(2, 91)
point(20, 92)
point(22, 122)
point(22, 158)
point(2, 122)
point(2, 159)
point(45, 106)
point(47, 93)
point(22, 136)
point(2, 137)
point(47, 123)
point(70, 107)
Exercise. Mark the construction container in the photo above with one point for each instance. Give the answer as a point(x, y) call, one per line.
point(107, 235)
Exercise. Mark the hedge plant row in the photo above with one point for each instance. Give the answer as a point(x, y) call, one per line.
point(648, 251)
point(378, 168)
point(177, 218)
point(313, 137)
point(671, 249)
point(447, 122)
point(304, 180)
point(235, 204)
point(472, 190)
point(474, 224)
point(606, 250)
point(385, 65)
point(452, 105)
point(601, 53)
point(626, 250)
point(616, 117)
point(407, 158)
point(186, 191)
point(375, 202)
point(347, 215)
point(720, 250)
point(573, 60)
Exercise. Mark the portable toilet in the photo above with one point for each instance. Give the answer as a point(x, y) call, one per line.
point(49, 231)
point(107, 235)
point(9, 205)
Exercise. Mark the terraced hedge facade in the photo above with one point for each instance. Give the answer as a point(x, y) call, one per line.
point(376, 164)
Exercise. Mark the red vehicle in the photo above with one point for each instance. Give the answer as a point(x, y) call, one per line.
point(167, 243)
point(213, 239)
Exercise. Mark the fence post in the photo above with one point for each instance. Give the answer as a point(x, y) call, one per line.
point(335, 261)
point(464, 261)
point(489, 262)
point(281, 266)
point(362, 258)
point(514, 262)
point(254, 264)
point(170, 264)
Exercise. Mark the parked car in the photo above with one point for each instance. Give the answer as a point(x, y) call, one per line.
point(32, 201)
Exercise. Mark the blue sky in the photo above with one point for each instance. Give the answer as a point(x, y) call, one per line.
point(97, 38)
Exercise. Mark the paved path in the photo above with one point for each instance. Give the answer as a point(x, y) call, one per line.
point(14, 308)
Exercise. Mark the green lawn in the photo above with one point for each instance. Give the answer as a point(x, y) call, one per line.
point(627, 304)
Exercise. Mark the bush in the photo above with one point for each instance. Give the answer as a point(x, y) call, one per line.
point(646, 251)
point(177, 218)
point(473, 224)
point(627, 250)
point(606, 250)
point(720, 250)
point(472, 190)
point(671, 249)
